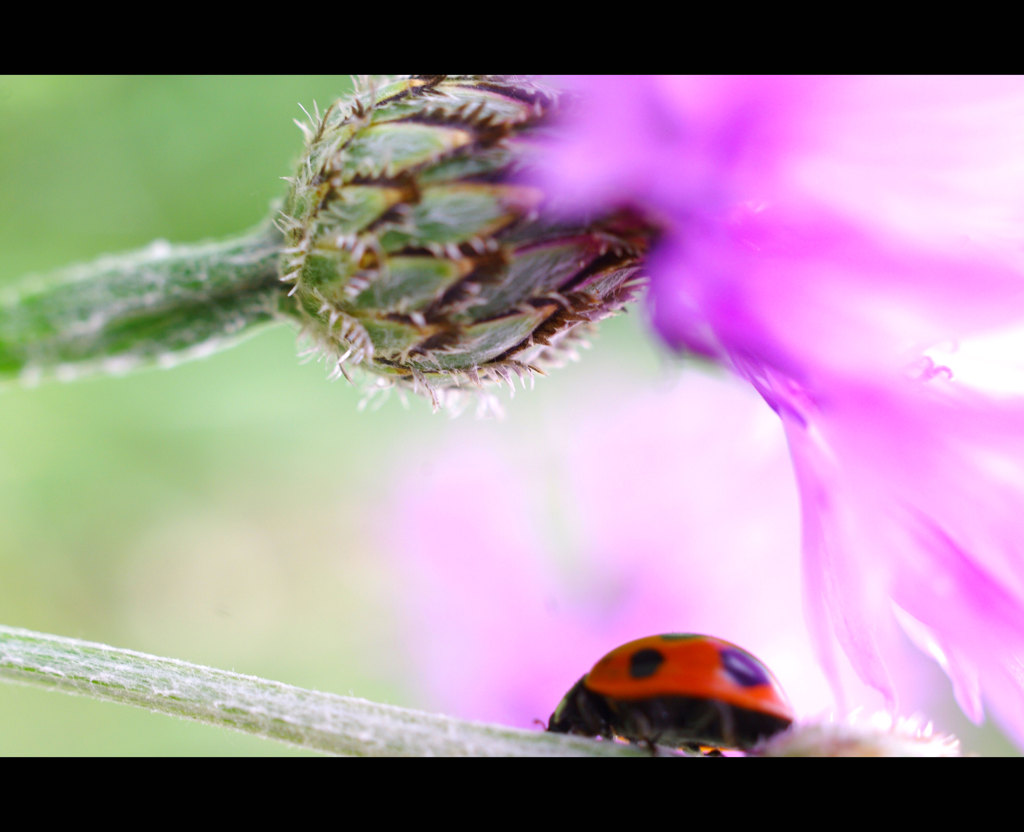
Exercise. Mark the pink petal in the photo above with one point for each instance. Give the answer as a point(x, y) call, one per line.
point(825, 239)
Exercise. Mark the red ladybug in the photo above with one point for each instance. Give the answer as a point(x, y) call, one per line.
point(679, 690)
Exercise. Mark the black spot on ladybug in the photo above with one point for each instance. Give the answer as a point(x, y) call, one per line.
point(742, 669)
point(644, 663)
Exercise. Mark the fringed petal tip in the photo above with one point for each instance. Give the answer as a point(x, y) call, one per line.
point(862, 735)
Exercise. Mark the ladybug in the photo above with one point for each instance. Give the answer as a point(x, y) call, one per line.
point(680, 690)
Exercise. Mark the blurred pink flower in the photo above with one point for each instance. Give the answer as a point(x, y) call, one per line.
point(527, 551)
point(843, 244)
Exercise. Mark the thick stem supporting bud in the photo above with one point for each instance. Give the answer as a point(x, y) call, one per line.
point(163, 304)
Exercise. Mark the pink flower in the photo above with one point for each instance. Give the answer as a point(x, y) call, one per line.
point(526, 552)
point(844, 245)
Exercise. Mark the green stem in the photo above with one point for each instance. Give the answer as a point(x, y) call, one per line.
point(310, 719)
point(335, 724)
point(163, 304)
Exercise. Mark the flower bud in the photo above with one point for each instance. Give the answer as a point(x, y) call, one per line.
point(417, 248)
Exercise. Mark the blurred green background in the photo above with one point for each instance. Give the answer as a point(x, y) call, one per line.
point(205, 513)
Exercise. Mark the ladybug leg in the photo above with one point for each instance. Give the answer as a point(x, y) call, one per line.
point(652, 745)
point(728, 722)
point(645, 733)
point(702, 725)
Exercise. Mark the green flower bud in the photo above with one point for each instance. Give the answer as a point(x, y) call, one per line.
point(416, 249)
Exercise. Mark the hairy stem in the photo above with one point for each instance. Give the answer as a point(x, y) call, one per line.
point(319, 721)
point(163, 304)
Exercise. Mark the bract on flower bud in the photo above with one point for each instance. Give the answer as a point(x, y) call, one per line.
point(416, 248)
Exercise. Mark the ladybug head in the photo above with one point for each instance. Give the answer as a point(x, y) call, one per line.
point(583, 712)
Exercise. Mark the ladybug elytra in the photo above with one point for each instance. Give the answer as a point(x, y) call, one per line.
point(679, 690)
